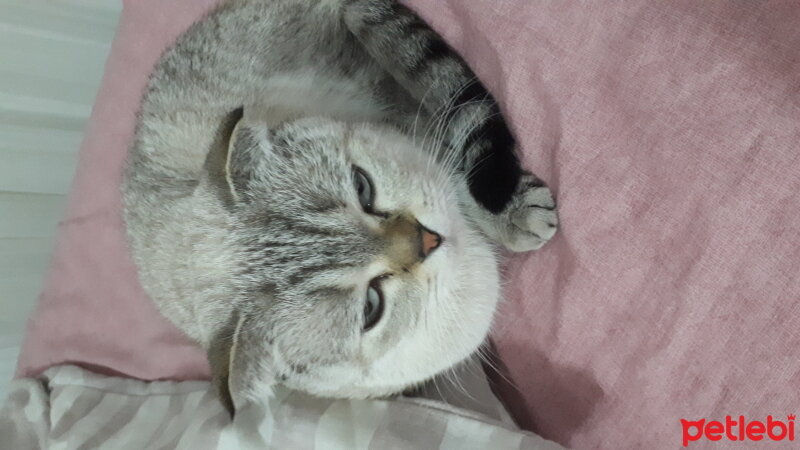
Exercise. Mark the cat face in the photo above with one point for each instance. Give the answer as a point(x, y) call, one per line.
point(361, 277)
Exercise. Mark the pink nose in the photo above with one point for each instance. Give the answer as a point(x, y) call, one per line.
point(430, 241)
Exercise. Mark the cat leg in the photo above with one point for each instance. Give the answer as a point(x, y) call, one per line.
point(509, 204)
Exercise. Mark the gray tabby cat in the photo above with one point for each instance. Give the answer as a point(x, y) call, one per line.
point(311, 196)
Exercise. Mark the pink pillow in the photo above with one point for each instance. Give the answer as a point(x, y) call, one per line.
point(93, 311)
point(670, 131)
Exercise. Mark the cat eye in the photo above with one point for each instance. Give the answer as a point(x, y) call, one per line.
point(364, 189)
point(373, 304)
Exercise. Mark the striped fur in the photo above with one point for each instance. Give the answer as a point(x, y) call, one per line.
point(434, 75)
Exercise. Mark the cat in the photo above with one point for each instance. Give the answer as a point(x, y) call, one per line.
point(314, 193)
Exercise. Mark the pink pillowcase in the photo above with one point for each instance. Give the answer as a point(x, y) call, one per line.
point(670, 132)
point(92, 310)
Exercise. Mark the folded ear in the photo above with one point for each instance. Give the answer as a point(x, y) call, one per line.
point(241, 363)
point(248, 147)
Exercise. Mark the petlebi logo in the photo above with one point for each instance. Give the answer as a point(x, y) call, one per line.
point(738, 429)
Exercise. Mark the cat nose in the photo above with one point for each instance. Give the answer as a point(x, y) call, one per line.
point(430, 241)
point(408, 242)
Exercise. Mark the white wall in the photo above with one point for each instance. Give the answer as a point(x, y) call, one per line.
point(52, 54)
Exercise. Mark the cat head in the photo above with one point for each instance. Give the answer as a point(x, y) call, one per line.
point(359, 275)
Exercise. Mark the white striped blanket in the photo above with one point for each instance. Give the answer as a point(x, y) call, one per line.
point(70, 408)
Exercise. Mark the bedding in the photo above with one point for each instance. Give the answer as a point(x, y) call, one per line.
point(9, 353)
point(669, 131)
point(72, 408)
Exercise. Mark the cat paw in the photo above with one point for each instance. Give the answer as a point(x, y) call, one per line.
point(532, 216)
point(529, 220)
